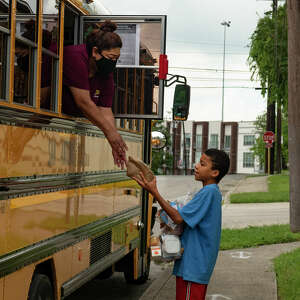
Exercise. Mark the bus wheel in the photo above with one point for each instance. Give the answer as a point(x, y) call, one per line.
point(128, 274)
point(40, 288)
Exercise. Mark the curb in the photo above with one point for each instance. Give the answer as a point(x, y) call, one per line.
point(153, 290)
point(227, 195)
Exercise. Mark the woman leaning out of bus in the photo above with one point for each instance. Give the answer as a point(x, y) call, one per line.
point(88, 84)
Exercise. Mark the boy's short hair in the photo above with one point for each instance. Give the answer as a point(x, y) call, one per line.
point(220, 161)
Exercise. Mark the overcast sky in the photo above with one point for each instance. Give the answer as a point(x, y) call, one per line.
point(195, 40)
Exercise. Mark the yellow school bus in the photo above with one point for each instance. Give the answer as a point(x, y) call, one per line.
point(67, 213)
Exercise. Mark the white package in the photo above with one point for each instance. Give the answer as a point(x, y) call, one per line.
point(170, 246)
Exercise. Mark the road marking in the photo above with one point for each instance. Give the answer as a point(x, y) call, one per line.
point(218, 296)
point(241, 254)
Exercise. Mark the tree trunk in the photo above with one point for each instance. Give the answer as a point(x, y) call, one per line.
point(294, 111)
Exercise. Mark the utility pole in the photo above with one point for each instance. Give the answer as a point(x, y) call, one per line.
point(278, 101)
point(270, 126)
point(184, 150)
point(225, 24)
point(174, 145)
point(293, 10)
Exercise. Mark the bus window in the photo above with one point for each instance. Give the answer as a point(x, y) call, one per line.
point(120, 76)
point(135, 92)
point(2, 70)
point(138, 91)
point(25, 53)
point(141, 42)
point(4, 8)
point(3, 47)
point(130, 124)
point(26, 6)
point(50, 58)
point(70, 27)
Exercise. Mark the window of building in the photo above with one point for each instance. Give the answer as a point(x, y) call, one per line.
point(214, 141)
point(199, 142)
point(249, 140)
point(188, 141)
point(227, 142)
point(197, 156)
point(248, 160)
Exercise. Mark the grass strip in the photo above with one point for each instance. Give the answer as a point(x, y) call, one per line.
point(288, 275)
point(278, 186)
point(260, 197)
point(257, 236)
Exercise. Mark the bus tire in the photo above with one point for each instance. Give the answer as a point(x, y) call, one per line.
point(40, 288)
point(128, 274)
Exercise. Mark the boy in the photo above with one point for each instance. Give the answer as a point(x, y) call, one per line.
point(202, 225)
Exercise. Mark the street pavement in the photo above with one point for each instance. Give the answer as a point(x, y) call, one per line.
point(240, 274)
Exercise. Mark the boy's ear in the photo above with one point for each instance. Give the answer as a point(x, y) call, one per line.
point(215, 173)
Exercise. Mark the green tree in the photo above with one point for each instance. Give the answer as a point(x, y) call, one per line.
point(262, 60)
point(259, 146)
point(161, 159)
point(268, 60)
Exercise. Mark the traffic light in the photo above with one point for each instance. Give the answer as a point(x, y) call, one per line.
point(181, 103)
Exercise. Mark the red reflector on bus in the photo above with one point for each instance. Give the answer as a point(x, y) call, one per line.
point(163, 66)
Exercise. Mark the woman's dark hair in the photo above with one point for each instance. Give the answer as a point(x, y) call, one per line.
point(104, 38)
point(220, 161)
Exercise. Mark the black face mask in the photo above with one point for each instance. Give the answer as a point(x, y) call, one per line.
point(105, 65)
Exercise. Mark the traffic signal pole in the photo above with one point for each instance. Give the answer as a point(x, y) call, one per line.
point(293, 11)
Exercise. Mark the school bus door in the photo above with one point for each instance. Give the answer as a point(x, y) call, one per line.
point(139, 94)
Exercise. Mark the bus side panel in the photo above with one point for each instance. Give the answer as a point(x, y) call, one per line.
point(63, 267)
point(80, 257)
point(17, 284)
point(35, 218)
point(28, 152)
point(1, 288)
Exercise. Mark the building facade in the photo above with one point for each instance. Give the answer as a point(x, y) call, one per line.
point(191, 138)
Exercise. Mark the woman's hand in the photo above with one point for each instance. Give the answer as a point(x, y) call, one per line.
point(119, 160)
point(150, 186)
point(119, 149)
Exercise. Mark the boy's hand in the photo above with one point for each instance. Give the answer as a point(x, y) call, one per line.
point(150, 186)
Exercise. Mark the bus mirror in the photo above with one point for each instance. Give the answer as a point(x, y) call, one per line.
point(181, 103)
point(158, 140)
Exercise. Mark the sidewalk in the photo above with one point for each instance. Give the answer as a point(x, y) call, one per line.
point(245, 274)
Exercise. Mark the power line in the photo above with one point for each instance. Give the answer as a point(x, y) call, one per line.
point(204, 43)
point(216, 79)
point(208, 69)
point(220, 87)
point(209, 53)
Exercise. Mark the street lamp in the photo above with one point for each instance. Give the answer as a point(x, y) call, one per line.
point(225, 24)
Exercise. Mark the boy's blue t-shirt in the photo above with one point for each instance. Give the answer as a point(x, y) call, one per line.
point(201, 236)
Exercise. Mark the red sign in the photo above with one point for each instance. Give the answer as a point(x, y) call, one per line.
point(269, 145)
point(269, 137)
